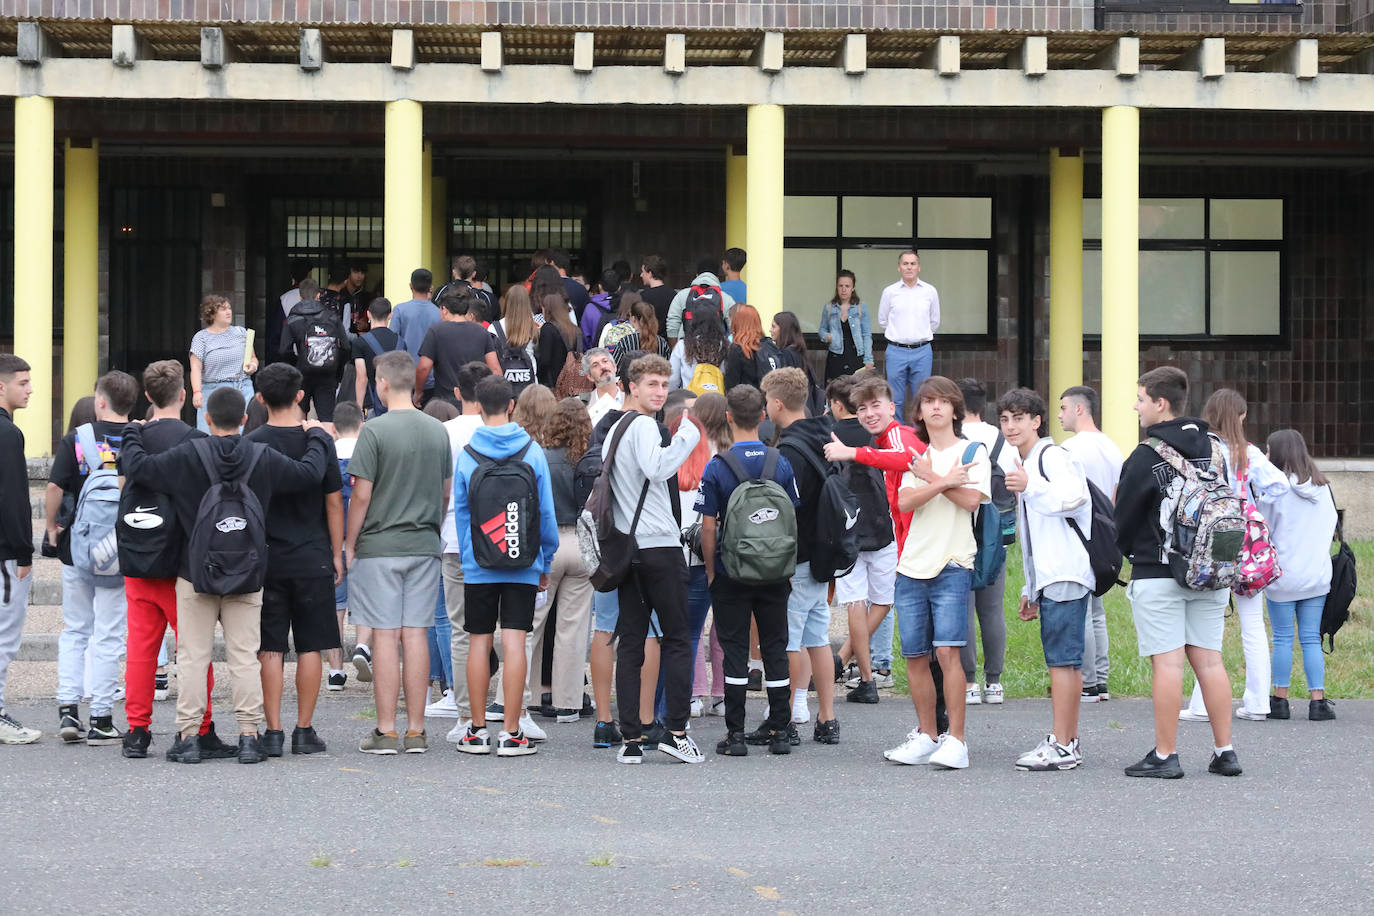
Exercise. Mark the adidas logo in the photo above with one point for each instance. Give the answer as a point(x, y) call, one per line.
point(504, 530)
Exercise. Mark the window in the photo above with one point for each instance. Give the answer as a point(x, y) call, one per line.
point(865, 234)
point(325, 232)
point(1209, 267)
point(502, 235)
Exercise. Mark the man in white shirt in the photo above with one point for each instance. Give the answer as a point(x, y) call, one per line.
point(910, 315)
point(608, 395)
point(1079, 408)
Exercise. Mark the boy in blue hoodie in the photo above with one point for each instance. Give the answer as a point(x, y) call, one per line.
point(502, 572)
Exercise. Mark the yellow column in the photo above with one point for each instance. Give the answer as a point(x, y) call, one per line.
point(438, 228)
point(33, 253)
point(736, 200)
point(1120, 273)
point(763, 236)
point(1066, 276)
point(81, 273)
point(426, 216)
point(404, 194)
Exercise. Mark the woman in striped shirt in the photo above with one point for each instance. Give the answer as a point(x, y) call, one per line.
point(217, 356)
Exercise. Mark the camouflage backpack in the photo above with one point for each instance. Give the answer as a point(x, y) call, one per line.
point(1203, 522)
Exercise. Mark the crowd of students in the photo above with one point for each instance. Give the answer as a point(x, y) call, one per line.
point(596, 496)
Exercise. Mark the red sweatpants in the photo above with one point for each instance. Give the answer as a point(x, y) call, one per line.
point(152, 607)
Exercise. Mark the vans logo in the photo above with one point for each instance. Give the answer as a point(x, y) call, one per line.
point(504, 530)
point(232, 523)
point(763, 516)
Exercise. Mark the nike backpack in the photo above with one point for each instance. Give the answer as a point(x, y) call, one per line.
point(503, 504)
point(150, 540)
point(227, 546)
point(836, 544)
point(701, 299)
point(95, 547)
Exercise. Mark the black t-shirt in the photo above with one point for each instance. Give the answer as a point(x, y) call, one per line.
point(452, 345)
point(69, 473)
point(298, 543)
point(660, 297)
point(387, 339)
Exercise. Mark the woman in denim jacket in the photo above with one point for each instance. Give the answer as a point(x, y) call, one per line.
point(844, 328)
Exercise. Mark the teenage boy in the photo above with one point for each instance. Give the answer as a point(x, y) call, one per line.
point(368, 346)
point(802, 443)
point(412, 319)
point(316, 342)
point(942, 491)
point(93, 614)
point(16, 533)
point(1171, 622)
point(736, 603)
point(181, 473)
point(456, 340)
point(1079, 408)
point(731, 264)
point(493, 595)
point(348, 422)
point(644, 473)
point(304, 563)
point(1052, 497)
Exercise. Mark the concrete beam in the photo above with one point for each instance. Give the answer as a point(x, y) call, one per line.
point(1033, 57)
point(215, 49)
point(1207, 59)
point(127, 47)
point(675, 53)
point(34, 45)
point(312, 50)
point(943, 56)
point(1298, 59)
point(768, 55)
point(1122, 57)
point(402, 49)
point(584, 45)
point(854, 54)
point(492, 56)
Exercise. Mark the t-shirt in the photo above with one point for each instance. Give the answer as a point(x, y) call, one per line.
point(460, 430)
point(411, 320)
point(406, 455)
point(1100, 457)
point(69, 473)
point(220, 354)
point(386, 339)
point(298, 544)
point(735, 289)
point(718, 482)
point(986, 433)
point(452, 345)
point(942, 533)
point(660, 297)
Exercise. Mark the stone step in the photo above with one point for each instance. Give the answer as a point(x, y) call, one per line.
point(36, 506)
point(46, 591)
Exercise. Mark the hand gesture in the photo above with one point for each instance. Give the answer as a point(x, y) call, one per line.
point(1017, 479)
point(958, 476)
point(924, 470)
point(835, 450)
point(1029, 609)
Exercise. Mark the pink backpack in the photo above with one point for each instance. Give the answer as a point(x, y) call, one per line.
point(1258, 565)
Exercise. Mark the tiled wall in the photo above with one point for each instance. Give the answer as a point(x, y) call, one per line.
point(1311, 16)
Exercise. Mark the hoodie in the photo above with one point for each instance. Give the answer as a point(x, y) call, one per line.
point(16, 515)
point(298, 329)
point(806, 436)
point(600, 306)
point(1144, 478)
point(1302, 522)
point(869, 488)
point(501, 442)
point(679, 303)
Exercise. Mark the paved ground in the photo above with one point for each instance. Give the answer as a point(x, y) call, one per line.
point(827, 829)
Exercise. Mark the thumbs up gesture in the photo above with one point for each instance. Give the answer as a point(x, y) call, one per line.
point(835, 450)
point(1017, 479)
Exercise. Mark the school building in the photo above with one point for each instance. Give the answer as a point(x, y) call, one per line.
point(1095, 186)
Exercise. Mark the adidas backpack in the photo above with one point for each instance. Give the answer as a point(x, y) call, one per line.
point(836, 545)
point(1204, 522)
point(759, 526)
point(227, 547)
point(95, 548)
point(503, 504)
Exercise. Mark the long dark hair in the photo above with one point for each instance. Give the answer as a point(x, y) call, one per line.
point(705, 338)
point(1288, 452)
point(854, 296)
point(790, 335)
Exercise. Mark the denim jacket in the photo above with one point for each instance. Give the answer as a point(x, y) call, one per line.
point(832, 330)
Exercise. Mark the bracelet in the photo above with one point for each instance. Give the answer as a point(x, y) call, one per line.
point(195, 391)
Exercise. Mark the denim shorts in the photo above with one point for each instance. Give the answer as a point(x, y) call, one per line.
point(1061, 631)
point(341, 594)
point(606, 614)
point(932, 612)
point(808, 612)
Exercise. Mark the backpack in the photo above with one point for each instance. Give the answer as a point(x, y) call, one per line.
point(768, 357)
point(868, 487)
point(375, 345)
point(706, 378)
point(759, 526)
point(607, 552)
point(227, 544)
point(1344, 581)
point(150, 540)
point(346, 489)
point(702, 299)
point(1103, 555)
point(1002, 498)
point(503, 503)
point(987, 534)
point(615, 330)
point(317, 353)
point(516, 365)
point(95, 548)
point(1203, 522)
point(1259, 562)
point(836, 546)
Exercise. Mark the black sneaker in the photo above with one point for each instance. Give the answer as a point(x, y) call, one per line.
point(337, 680)
point(1103, 694)
point(839, 667)
point(136, 741)
point(655, 733)
point(793, 736)
point(103, 731)
point(1150, 765)
point(250, 749)
point(732, 745)
point(1091, 694)
point(496, 711)
point(545, 707)
point(630, 752)
point(362, 661)
point(272, 742)
point(1279, 709)
point(755, 681)
point(605, 735)
point(760, 736)
point(1322, 710)
point(305, 741)
point(69, 726)
point(681, 748)
point(212, 748)
point(588, 707)
point(781, 742)
point(1224, 764)
point(184, 750)
point(827, 732)
point(866, 692)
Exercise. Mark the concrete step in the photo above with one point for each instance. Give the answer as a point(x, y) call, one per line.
point(46, 591)
point(36, 506)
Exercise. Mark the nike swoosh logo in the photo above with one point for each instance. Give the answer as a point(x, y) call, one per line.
point(145, 508)
point(850, 520)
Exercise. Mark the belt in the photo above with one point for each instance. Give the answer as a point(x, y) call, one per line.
point(909, 346)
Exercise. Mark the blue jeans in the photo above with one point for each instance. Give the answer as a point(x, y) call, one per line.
point(244, 385)
point(698, 603)
point(933, 612)
point(880, 643)
point(906, 369)
point(1308, 612)
point(441, 643)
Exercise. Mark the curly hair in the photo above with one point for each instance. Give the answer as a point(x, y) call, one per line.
point(569, 426)
point(208, 306)
point(533, 408)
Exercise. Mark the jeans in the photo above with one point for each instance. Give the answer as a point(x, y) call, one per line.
point(244, 385)
point(1255, 644)
point(95, 617)
point(880, 643)
point(1309, 618)
point(441, 643)
point(698, 604)
point(906, 369)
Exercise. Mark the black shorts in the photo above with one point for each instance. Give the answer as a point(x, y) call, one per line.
point(484, 604)
point(305, 608)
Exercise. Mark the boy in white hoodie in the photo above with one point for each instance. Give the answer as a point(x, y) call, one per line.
point(1055, 516)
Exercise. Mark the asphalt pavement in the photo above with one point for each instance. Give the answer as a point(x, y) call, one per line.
point(823, 830)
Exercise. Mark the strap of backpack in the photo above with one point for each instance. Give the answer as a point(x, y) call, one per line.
point(639, 508)
point(997, 448)
point(770, 463)
point(1073, 523)
point(207, 459)
point(370, 338)
point(970, 452)
point(85, 435)
point(500, 333)
point(808, 456)
point(1171, 456)
point(621, 428)
point(736, 467)
point(254, 456)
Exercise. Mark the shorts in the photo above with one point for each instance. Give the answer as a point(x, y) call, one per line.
point(808, 612)
point(341, 594)
point(872, 578)
point(302, 607)
point(487, 603)
point(1061, 631)
point(606, 614)
point(393, 592)
point(932, 612)
point(1168, 616)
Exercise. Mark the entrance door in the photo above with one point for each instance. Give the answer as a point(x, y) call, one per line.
point(502, 234)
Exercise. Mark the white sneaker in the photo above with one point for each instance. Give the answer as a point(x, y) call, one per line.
point(532, 731)
point(717, 707)
point(882, 681)
point(698, 708)
point(456, 733)
point(1076, 745)
point(1048, 756)
point(801, 713)
point(915, 750)
point(11, 732)
point(973, 696)
point(1187, 715)
point(993, 694)
point(118, 694)
point(952, 754)
point(1243, 713)
point(446, 707)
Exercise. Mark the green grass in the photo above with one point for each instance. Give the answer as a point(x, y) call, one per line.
point(1349, 670)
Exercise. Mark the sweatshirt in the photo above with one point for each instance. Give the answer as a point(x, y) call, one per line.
point(809, 434)
point(679, 303)
point(1050, 549)
point(1144, 478)
point(16, 515)
point(1302, 522)
point(897, 447)
point(501, 442)
point(642, 456)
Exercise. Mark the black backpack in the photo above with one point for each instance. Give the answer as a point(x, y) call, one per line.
point(370, 341)
point(835, 545)
point(227, 547)
point(1002, 498)
point(1344, 581)
point(517, 365)
point(1103, 555)
point(503, 503)
point(768, 357)
point(150, 540)
point(317, 352)
point(869, 488)
point(702, 299)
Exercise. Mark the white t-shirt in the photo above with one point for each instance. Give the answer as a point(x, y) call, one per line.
point(942, 533)
point(986, 433)
point(460, 430)
point(1100, 457)
point(343, 448)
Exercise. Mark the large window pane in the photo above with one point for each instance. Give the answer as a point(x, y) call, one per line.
point(1247, 219)
point(808, 216)
point(808, 283)
point(1172, 218)
point(955, 217)
point(1092, 218)
point(961, 277)
point(874, 269)
point(1245, 292)
point(1172, 290)
point(878, 217)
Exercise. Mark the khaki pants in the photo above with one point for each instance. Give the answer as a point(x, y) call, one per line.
point(570, 587)
point(240, 616)
point(453, 603)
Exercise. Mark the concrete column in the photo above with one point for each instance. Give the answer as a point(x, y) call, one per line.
point(438, 228)
point(765, 192)
point(736, 200)
point(404, 195)
point(1066, 275)
point(426, 215)
point(81, 273)
point(33, 268)
point(1120, 273)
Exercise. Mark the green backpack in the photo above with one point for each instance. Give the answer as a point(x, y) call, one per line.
point(759, 528)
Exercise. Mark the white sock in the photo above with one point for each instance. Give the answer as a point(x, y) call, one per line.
point(1161, 756)
point(333, 671)
point(1221, 750)
point(755, 664)
point(799, 697)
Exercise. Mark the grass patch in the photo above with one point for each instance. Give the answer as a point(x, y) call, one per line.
point(365, 715)
point(321, 861)
point(508, 863)
point(1349, 670)
point(404, 862)
point(604, 860)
